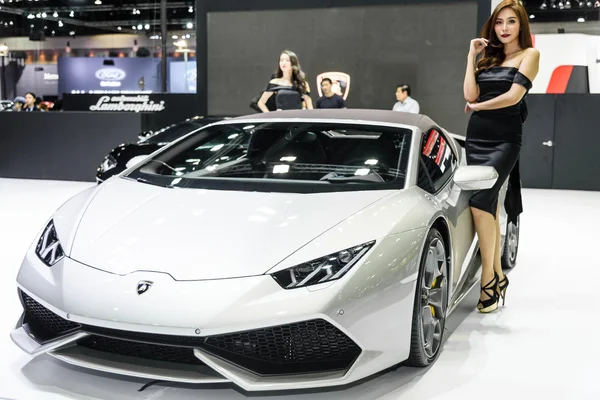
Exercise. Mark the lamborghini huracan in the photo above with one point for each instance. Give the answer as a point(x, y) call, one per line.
point(287, 250)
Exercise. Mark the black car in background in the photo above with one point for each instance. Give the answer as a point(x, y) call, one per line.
point(121, 157)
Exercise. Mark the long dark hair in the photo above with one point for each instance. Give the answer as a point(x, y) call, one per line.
point(298, 76)
point(493, 55)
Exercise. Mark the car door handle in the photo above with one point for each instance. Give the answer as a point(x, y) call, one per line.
point(548, 143)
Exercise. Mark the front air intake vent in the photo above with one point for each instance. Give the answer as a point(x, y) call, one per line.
point(44, 323)
point(303, 347)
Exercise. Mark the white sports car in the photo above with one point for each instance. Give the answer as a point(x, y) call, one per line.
point(285, 250)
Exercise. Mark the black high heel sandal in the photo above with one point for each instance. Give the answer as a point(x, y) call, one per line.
point(490, 289)
point(502, 285)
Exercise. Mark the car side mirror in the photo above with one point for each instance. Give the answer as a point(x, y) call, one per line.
point(475, 177)
point(136, 160)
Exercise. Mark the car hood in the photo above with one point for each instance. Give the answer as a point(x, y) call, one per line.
point(195, 234)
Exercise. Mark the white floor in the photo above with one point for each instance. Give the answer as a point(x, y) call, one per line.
point(543, 344)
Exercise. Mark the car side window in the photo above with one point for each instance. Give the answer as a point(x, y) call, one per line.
point(437, 161)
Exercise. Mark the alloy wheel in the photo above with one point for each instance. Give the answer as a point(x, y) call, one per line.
point(512, 241)
point(434, 292)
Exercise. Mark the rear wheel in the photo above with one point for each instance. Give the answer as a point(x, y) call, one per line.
point(511, 245)
point(431, 303)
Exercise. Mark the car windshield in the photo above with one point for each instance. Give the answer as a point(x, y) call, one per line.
point(283, 156)
point(174, 132)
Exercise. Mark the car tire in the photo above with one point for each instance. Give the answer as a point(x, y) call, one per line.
point(511, 245)
point(431, 303)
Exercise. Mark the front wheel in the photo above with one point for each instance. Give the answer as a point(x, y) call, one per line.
point(431, 303)
point(511, 245)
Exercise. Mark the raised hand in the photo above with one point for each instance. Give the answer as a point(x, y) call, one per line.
point(477, 46)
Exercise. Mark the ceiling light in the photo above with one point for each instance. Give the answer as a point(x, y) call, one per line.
point(44, 15)
point(98, 2)
point(191, 9)
point(60, 24)
point(55, 15)
point(190, 25)
point(72, 33)
point(544, 5)
point(147, 26)
point(10, 23)
point(140, 27)
point(31, 16)
point(119, 28)
point(133, 27)
point(567, 4)
point(175, 37)
point(581, 19)
point(72, 14)
point(532, 16)
point(38, 15)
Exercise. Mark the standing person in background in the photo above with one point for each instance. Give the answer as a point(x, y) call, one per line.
point(329, 99)
point(30, 103)
point(405, 102)
point(289, 86)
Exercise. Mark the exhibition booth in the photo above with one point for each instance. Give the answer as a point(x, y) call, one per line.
point(156, 245)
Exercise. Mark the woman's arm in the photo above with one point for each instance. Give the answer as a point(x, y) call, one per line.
point(307, 99)
point(470, 87)
point(529, 67)
point(262, 102)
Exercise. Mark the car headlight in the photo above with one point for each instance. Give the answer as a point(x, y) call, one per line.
point(324, 269)
point(48, 248)
point(109, 163)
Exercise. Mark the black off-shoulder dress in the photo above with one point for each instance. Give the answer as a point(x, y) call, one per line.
point(494, 138)
point(286, 97)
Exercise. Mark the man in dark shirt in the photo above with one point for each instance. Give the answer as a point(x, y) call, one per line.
point(329, 99)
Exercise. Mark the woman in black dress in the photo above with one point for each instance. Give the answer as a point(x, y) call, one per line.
point(290, 87)
point(501, 67)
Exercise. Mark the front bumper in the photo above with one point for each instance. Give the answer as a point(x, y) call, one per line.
point(247, 331)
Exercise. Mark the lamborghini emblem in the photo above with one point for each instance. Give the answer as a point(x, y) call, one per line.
point(143, 286)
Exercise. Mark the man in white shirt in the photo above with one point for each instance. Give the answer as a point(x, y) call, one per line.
point(405, 102)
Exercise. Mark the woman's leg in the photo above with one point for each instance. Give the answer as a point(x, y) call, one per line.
point(498, 250)
point(485, 226)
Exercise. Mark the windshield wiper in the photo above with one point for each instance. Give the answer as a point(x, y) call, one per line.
point(333, 177)
point(147, 182)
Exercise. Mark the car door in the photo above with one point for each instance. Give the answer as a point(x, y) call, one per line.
point(440, 157)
